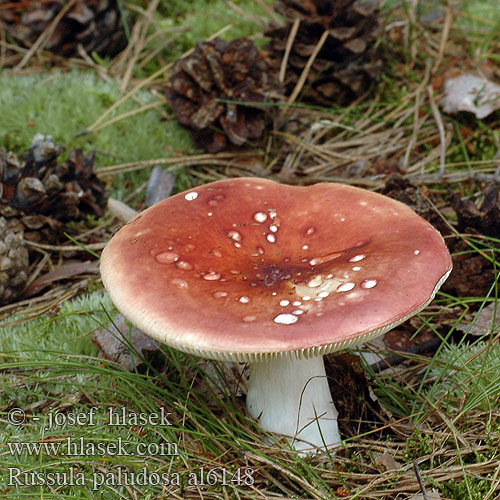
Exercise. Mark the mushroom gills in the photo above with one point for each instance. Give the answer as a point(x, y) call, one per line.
point(291, 396)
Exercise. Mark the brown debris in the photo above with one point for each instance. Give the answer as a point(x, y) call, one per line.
point(417, 198)
point(42, 194)
point(96, 25)
point(217, 70)
point(472, 275)
point(124, 345)
point(486, 219)
point(348, 61)
point(14, 265)
point(350, 391)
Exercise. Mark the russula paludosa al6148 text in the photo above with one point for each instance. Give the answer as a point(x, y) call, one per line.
point(275, 275)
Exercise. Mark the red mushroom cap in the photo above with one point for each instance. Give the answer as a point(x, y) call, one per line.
point(245, 269)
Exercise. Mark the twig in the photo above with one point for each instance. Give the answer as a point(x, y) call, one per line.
point(121, 210)
point(444, 39)
point(305, 72)
point(45, 34)
point(127, 114)
point(218, 159)
point(245, 15)
point(442, 135)
point(142, 84)
point(139, 34)
point(288, 48)
point(68, 248)
point(419, 479)
point(416, 121)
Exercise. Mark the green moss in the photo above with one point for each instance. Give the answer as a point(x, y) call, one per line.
point(213, 16)
point(45, 340)
point(467, 376)
point(417, 445)
point(483, 13)
point(472, 488)
point(68, 331)
point(64, 104)
point(199, 20)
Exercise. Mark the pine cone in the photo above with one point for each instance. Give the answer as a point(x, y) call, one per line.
point(217, 70)
point(95, 24)
point(14, 265)
point(42, 194)
point(348, 61)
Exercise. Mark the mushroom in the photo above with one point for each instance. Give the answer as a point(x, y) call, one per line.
point(254, 271)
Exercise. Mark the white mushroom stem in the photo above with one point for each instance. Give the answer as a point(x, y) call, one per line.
point(292, 397)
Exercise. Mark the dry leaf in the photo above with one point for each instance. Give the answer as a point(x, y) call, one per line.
point(483, 325)
point(64, 272)
point(431, 495)
point(387, 461)
point(160, 185)
point(471, 93)
point(119, 343)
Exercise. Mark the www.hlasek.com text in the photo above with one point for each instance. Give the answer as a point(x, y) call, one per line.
point(80, 447)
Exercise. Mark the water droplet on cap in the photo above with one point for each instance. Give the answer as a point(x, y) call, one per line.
point(234, 235)
point(284, 303)
point(167, 257)
point(357, 258)
point(345, 287)
point(271, 238)
point(191, 196)
point(315, 281)
point(298, 312)
point(260, 217)
point(211, 276)
point(323, 294)
point(325, 258)
point(249, 319)
point(297, 303)
point(180, 283)
point(260, 250)
point(185, 266)
point(416, 252)
point(273, 228)
point(244, 300)
point(369, 283)
point(220, 295)
point(356, 268)
point(305, 247)
point(286, 319)
point(310, 231)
